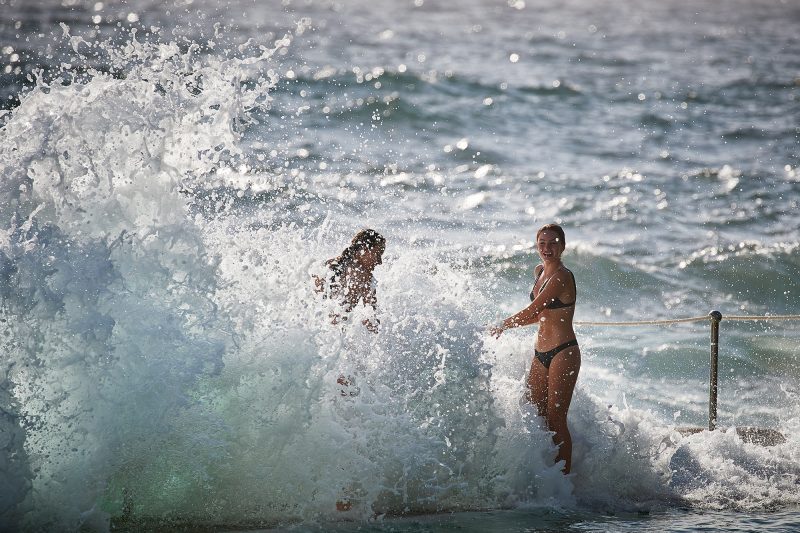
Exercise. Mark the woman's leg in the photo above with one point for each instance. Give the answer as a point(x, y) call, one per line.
point(537, 387)
point(562, 375)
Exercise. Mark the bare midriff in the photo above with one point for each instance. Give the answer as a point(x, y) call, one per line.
point(555, 327)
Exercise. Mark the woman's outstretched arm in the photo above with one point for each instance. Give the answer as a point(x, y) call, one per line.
point(527, 316)
point(530, 314)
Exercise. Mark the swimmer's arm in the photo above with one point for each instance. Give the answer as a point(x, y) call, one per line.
point(319, 283)
point(527, 316)
point(531, 314)
point(371, 299)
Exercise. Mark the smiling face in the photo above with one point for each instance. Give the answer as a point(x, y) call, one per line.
point(550, 246)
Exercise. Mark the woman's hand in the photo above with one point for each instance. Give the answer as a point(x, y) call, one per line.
point(496, 331)
point(371, 327)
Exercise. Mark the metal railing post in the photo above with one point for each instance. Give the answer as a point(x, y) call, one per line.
point(716, 317)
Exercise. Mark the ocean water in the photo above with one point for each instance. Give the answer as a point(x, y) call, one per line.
point(173, 173)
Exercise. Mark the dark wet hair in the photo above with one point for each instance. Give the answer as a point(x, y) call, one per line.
point(554, 228)
point(365, 239)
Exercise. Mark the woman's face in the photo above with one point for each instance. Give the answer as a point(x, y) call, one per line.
point(370, 257)
point(549, 246)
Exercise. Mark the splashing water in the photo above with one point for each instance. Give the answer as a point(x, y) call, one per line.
point(167, 358)
point(161, 367)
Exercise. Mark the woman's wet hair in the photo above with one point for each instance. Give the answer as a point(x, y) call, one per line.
point(366, 239)
point(558, 230)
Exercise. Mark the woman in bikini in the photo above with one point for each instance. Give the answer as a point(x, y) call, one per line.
point(351, 279)
point(557, 357)
point(352, 283)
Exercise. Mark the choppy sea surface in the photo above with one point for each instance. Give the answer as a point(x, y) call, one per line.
point(173, 173)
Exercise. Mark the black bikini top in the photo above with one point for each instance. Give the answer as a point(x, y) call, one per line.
point(555, 303)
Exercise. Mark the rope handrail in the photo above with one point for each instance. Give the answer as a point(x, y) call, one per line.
point(642, 322)
point(714, 318)
point(765, 317)
point(666, 322)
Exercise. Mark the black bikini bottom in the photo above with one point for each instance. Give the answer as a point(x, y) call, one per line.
point(547, 357)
